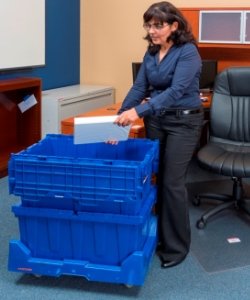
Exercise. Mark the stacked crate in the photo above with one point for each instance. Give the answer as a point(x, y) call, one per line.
point(85, 209)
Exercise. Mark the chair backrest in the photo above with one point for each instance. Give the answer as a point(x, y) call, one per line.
point(230, 107)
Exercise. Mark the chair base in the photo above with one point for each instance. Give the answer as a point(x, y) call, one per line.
point(235, 200)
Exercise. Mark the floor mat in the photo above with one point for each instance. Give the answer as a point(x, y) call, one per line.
point(225, 241)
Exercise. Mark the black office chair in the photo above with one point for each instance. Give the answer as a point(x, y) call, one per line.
point(228, 149)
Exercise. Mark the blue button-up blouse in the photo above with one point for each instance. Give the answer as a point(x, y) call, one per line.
point(174, 82)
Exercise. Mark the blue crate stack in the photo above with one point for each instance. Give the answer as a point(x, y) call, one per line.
point(85, 210)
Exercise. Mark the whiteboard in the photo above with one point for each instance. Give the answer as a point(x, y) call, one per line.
point(22, 34)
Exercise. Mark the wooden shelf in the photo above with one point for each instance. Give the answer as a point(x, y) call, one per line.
point(18, 130)
point(223, 46)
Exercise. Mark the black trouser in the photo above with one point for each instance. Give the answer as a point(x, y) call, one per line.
point(178, 136)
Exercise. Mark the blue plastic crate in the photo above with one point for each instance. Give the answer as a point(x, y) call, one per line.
point(68, 176)
point(132, 270)
point(127, 206)
point(95, 237)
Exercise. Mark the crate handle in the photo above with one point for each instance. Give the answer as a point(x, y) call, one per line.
point(42, 157)
point(53, 194)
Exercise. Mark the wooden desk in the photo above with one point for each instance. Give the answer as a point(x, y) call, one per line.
point(137, 128)
point(136, 131)
point(207, 104)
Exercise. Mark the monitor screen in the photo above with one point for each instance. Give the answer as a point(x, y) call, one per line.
point(208, 74)
point(135, 69)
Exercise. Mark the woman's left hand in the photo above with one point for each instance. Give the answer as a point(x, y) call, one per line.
point(127, 117)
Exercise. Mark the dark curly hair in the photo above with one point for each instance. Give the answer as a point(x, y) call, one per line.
point(168, 13)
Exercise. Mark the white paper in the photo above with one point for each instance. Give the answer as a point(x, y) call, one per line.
point(98, 129)
point(28, 103)
point(233, 240)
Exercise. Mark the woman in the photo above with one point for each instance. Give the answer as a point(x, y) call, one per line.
point(173, 115)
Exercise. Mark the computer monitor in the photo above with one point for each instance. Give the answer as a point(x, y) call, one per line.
point(208, 74)
point(135, 69)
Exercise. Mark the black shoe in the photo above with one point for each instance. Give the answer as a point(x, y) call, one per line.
point(170, 263)
point(159, 247)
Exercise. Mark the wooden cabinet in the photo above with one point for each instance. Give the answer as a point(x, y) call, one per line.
point(225, 53)
point(18, 130)
point(221, 26)
point(224, 26)
point(192, 15)
point(246, 32)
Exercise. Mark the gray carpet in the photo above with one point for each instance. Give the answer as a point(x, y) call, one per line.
point(211, 246)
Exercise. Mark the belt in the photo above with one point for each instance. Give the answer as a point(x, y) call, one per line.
point(177, 112)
